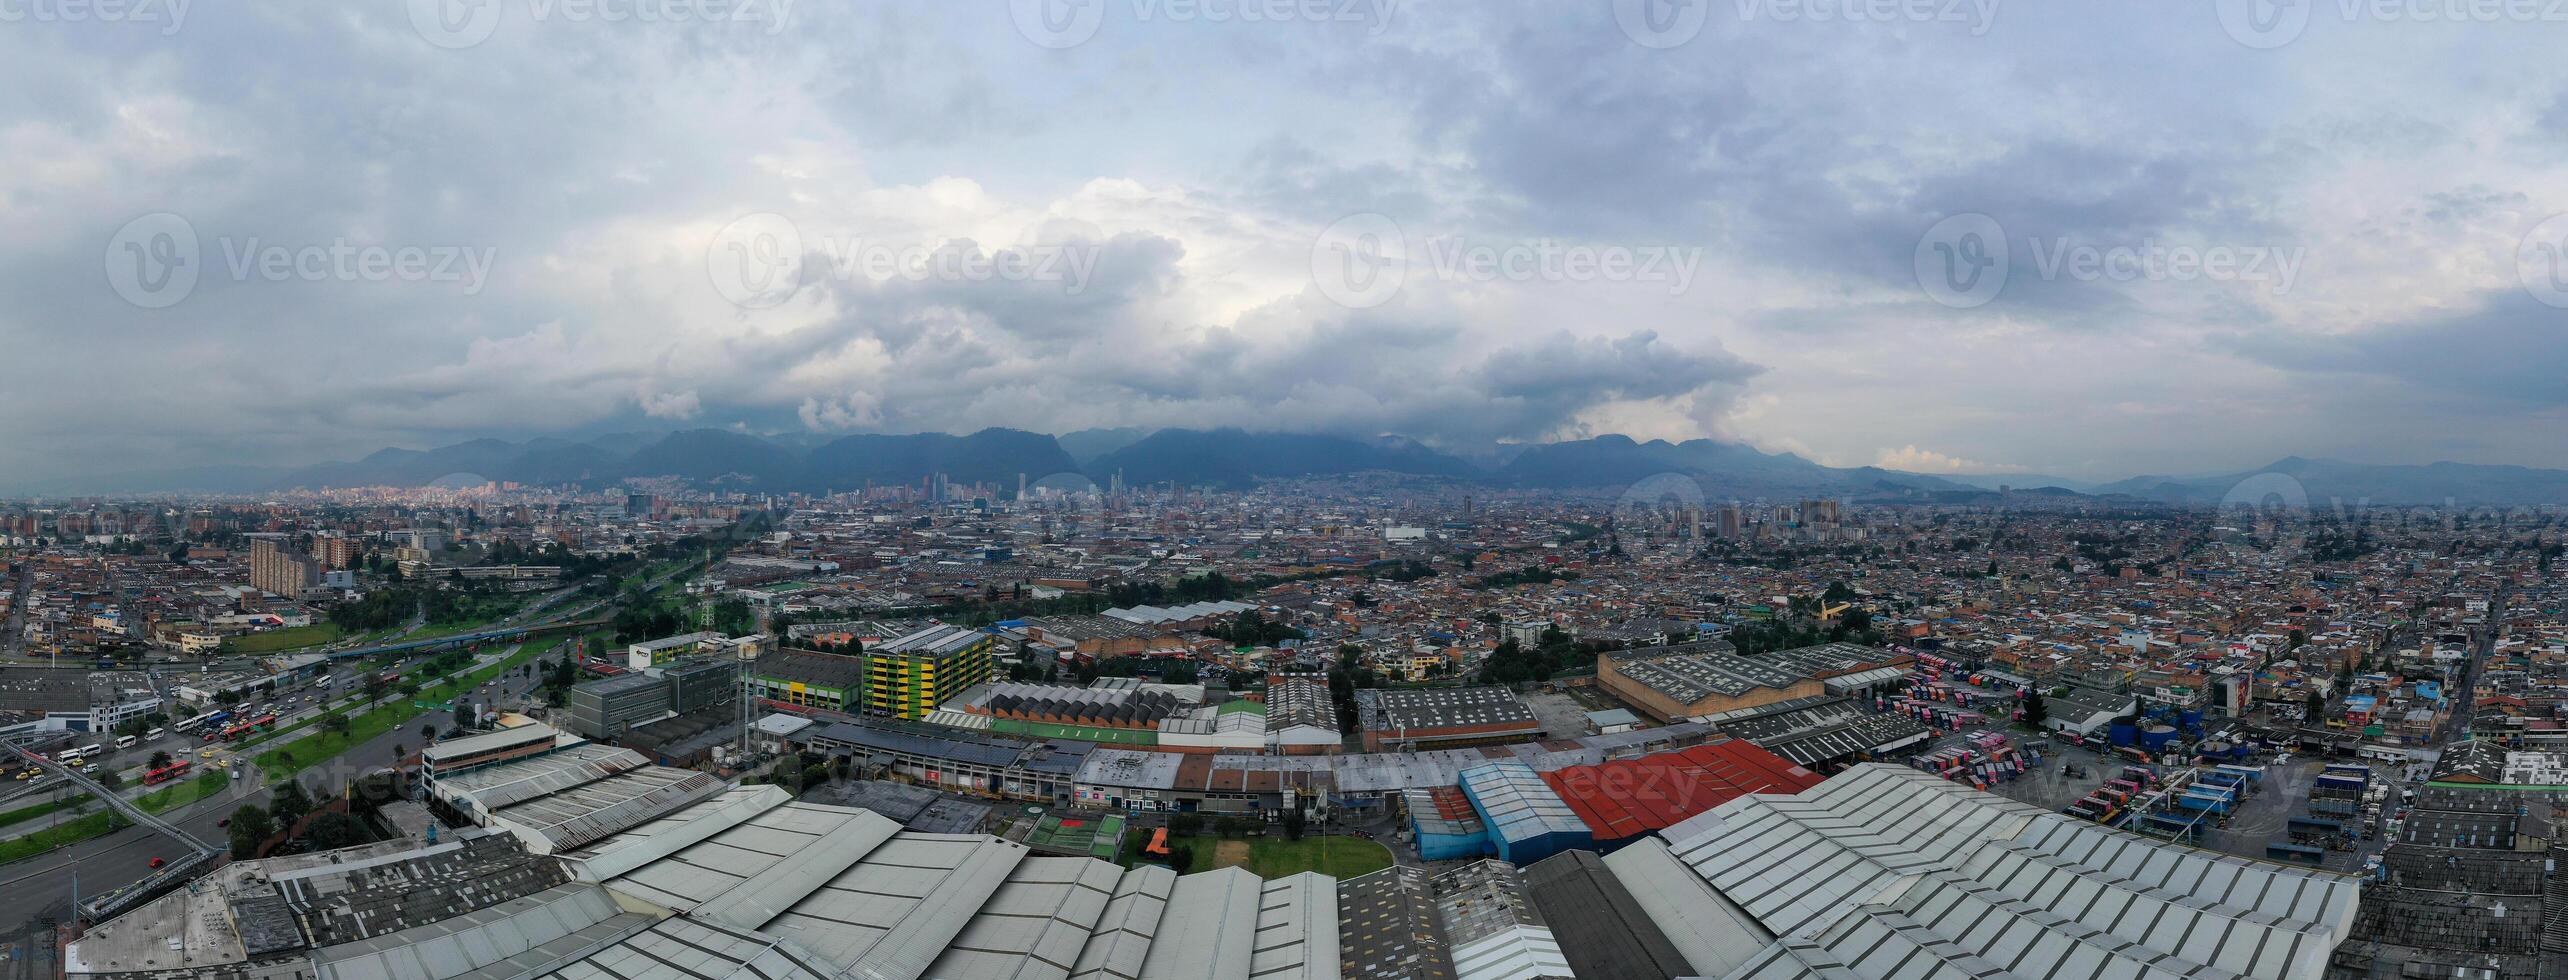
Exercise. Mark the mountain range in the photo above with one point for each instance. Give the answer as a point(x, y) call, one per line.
point(1714, 470)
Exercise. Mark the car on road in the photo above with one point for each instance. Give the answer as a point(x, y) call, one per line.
point(156, 862)
point(223, 823)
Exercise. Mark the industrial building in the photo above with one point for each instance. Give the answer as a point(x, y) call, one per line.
point(611, 706)
point(1527, 821)
point(908, 676)
point(1881, 873)
point(1404, 719)
point(607, 706)
point(1885, 871)
point(1828, 730)
point(1691, 681)
point(1624, 799)
point(809, 679)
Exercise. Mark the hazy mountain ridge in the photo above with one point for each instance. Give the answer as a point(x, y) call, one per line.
point(2325, 484)
point(1236, 458)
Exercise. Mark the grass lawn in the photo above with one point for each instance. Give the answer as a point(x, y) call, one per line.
point(167, 798)
point(71, 832)
point(1274, 857)
point(284, 639)
point(26, 813)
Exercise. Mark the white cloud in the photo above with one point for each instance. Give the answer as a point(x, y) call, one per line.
point(1910, 459)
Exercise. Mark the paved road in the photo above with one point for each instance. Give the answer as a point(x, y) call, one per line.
point(37, 893)
point(38, 888)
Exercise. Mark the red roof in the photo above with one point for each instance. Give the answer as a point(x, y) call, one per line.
point(1631, 797)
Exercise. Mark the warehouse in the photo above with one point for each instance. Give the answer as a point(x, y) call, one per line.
point(1881, 873)
point(572, 796)
point(1527, 821)
point(1823, 732)
point(1404, 720)
point(1627, 798)
point(1445, 826)
point(1885, 870)
point(1603, 931)
point(1675, 686)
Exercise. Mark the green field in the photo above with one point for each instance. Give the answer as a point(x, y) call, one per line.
point(284, 639)
point(71, 832)
point(26, 813)
point(1275, 857)
point(1096, 837)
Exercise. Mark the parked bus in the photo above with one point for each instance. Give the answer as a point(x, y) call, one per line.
point(166, 773)
point(125, 741)
point(155, 734)
point(75, 753)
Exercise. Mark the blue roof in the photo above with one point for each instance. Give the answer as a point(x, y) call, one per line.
point(1516, 802)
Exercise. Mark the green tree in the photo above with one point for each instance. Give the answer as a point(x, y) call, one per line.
point(331, 831)
point(160, 760)
point(2034, 710)
point(251, 826)
point(1294, 824)
point(289, 803)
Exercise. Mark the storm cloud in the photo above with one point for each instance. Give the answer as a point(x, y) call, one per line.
point(250, 235)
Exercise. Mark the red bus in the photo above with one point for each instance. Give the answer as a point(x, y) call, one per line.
point(166, 773)
point(259, 724)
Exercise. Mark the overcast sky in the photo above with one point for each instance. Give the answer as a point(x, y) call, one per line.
point(2086, 239)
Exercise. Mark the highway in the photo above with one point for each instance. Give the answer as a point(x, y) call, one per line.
point(36, 894)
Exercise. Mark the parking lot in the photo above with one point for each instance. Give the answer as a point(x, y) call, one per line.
point(2261, 819)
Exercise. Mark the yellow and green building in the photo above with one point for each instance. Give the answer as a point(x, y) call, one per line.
point(908, 676)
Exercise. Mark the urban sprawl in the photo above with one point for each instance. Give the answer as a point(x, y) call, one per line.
point(1355, 727)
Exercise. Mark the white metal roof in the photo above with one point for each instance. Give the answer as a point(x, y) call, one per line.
point(1885, 870)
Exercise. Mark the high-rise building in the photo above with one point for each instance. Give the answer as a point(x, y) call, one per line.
point(277, 568)
point(908, 676)
point(334, 550)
